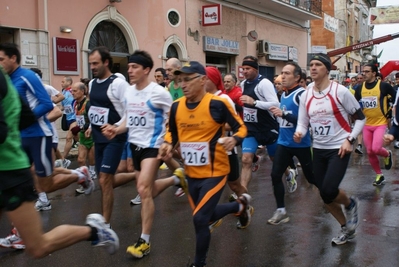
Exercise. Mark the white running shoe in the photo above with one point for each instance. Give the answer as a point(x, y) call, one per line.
point(107, 238)
point(136, 200)
point(58, 163)
point(93, 175)
point(86, 181)
point(39, 205)
point(13, 240)
point(66, 163)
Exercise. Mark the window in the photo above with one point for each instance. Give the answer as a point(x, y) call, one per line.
point(172, 52)
point(109, 35)
point(173, 17)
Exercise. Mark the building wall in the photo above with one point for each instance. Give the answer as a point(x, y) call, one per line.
point(321, 36)
point(37, 22)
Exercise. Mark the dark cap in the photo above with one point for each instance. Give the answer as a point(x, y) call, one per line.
point(191, 67)
point(323, 58)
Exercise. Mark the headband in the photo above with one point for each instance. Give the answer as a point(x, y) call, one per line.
point(250, 63)
point(139, 59)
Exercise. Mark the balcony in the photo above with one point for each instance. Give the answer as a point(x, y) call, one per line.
point(300, 10)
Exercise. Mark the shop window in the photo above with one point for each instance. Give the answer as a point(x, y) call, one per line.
point(109, 35)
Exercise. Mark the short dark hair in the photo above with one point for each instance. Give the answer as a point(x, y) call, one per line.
point(250, 58)
point(85, 81)
point(162, 70)
point(144, 55)
point(10, 50)
point(37, 71)
point(373, 67)
point(105, 55)
point(303, 75)
point(297, 70)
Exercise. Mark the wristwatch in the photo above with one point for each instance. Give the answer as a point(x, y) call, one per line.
point(351, 139)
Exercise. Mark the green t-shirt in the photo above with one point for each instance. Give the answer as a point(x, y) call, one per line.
point(12, 156)
point(176, 93)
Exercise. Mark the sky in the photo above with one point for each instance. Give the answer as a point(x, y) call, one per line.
point(391, 48)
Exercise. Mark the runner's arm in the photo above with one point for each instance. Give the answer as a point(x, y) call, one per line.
point(3, 124)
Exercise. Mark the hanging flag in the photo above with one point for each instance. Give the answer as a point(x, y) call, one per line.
point(379, 55)
point(348, 43)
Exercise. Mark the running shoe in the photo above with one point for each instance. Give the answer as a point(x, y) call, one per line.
point(179, 192)
point(93, 175)
point(278, 217)
point(291, 181)
point(179, 173)
point(136, 200)
point(86, 180)
point(66, 163)
point(80, 190)
point(359, 149)
point(233, 197)
point(13, 240)
point(379, 180)
point(245, 214)
point(256, 165)
point(39, 205)
point(396, 145)
point(215, 224)
point(298, 165)
point(352, 215)
point(58, 163)
point(107, 238)
point(388, 161)
point(139, 249)
point(163, 166)
point(343, 237)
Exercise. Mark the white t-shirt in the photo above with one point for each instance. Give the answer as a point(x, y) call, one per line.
point(146, 112)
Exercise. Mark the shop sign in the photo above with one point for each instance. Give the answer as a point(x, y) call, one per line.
point(211, 15)
point(293, 53)
point(66, 56)
point(278, 52)
point(29, 60)
point(212, 44)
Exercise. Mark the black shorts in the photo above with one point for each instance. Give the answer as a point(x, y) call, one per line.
point(140, 154)
point(234, 168)
point(12, 198)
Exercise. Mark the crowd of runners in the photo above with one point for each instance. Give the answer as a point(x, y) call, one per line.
point(194, 122)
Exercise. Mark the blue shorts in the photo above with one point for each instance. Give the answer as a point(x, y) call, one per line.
point(39, 151)
point(127, 152)
point(69, 122)
point(250, 145)
point(108, 156)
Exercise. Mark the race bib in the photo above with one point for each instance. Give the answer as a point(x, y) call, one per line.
point(250, 114)
point(98, 115)
point(284, 123)
point(322, 126)
point(68, 109)
point(369, 102)
point(80, 120)
point(137, 117)
point(195, 153)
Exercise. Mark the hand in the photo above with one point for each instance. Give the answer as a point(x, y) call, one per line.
point(388, 139)
point(247, 100)
point(165, 151)
point(109, 131)
point(297, 137)
point(88, 133)
point(276, 111)
point(228, 143)
point(346, 148)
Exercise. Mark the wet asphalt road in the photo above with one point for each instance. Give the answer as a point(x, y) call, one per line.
point(304, 241)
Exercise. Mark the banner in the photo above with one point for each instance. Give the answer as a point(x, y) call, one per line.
point(330, 23)
point(384, 15)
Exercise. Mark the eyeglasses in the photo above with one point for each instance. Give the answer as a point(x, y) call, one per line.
point(188, 79)
point(366, 71)
point(158, 76)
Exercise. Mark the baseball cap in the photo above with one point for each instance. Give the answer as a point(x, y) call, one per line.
point(191, 67)
point(348, 80)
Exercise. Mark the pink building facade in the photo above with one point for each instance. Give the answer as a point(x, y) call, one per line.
point(56, 36)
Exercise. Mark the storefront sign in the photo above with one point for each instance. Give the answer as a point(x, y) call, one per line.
point(211, 15)
point(66, 56)
point(330, 23)
point(212, 44)
point(384, 15)
point(293, 53)
point(29, 60)
point(278, 52)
